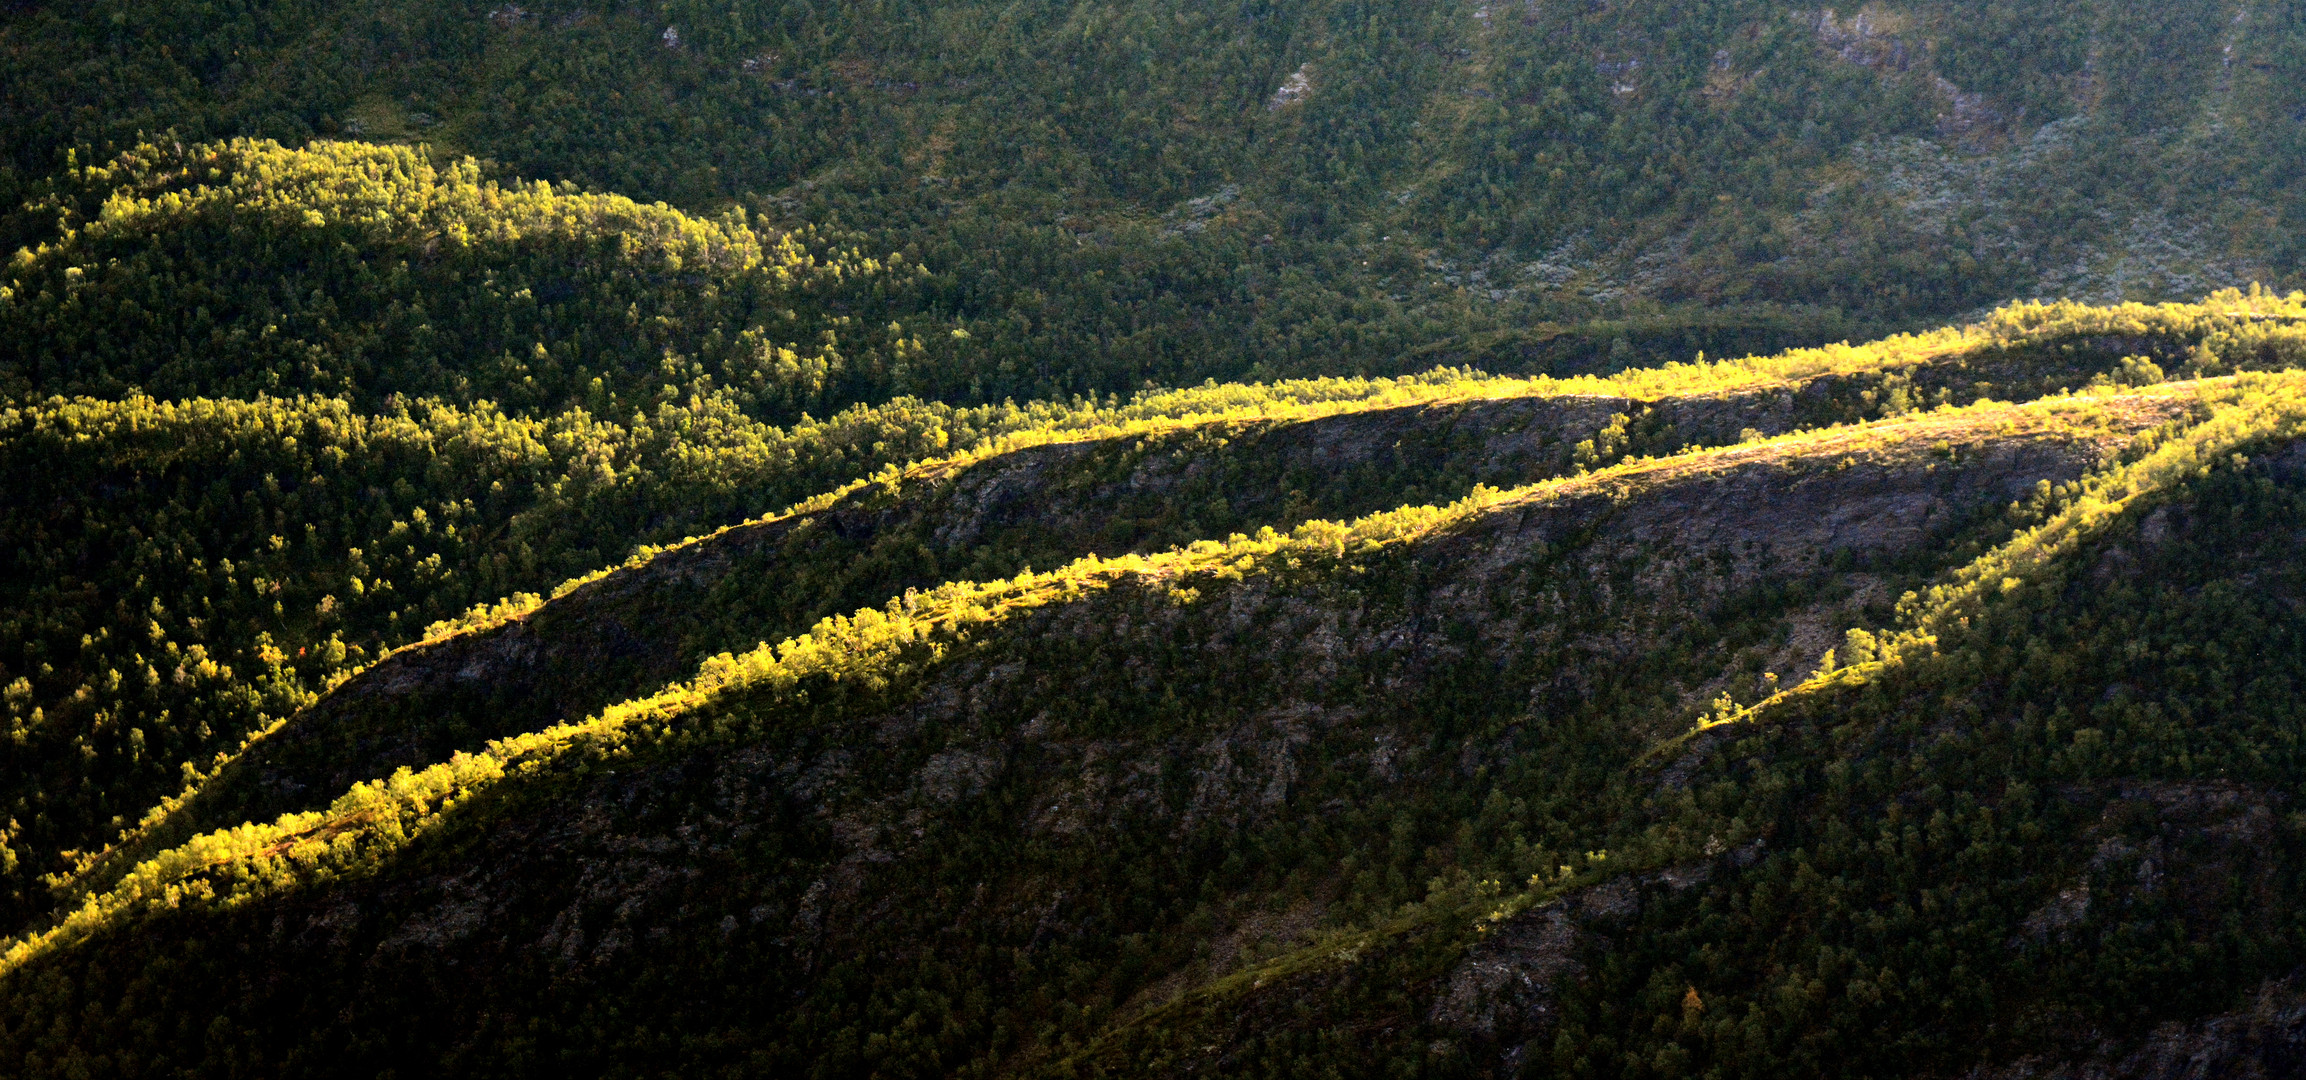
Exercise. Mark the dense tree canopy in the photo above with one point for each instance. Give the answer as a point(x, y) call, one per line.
point(1266, 579)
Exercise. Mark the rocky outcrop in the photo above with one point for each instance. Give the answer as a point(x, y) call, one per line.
point(1502, 995)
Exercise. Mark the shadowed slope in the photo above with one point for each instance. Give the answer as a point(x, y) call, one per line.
point(1076, 775)
point(644, 626)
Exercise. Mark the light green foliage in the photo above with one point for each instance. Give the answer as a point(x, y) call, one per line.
point(2255, 410)
point(366, 271)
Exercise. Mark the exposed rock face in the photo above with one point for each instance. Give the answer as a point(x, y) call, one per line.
point(1504, 989)
point(1502, 996)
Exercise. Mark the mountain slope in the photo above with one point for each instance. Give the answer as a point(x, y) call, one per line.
point(1451, 693)
point(183, 575)
point(1115, 538)
point(1047, 504)
point(1288, 189)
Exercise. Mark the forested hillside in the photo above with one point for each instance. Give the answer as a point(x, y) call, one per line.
point(1329, 539)
point(960, 839)
point(244, 556)
point(1106, 193)
point(1108, 808)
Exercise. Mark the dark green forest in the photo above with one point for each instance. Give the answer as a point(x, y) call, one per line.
point(1336, 539)
point(1109, 193)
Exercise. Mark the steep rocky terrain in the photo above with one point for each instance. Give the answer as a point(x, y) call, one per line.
point(1117, 538)
point(645, 626)
point(1149, 785)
